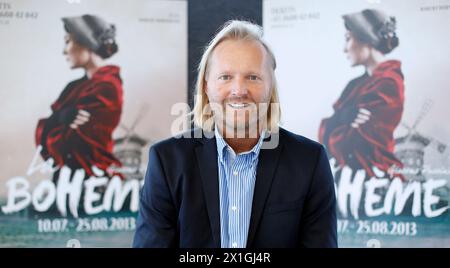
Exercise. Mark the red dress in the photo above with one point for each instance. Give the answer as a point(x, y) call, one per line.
point(372, 144)
point(90, 144)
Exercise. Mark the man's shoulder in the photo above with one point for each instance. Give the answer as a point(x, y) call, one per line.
point(187, 141)
point(182, 141)
point(301, 152)
point(299, 142)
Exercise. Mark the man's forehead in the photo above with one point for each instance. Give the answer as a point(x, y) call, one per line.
point(233, 49)
point(235, 45)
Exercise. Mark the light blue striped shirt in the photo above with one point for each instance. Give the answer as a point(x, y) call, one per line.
point(237, 176)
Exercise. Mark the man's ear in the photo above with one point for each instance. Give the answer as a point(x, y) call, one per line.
point(205, 86)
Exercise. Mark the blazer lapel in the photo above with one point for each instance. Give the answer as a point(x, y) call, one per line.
point(207, 162)
point(267, 164)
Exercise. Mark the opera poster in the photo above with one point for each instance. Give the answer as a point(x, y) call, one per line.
point(86, 88)
point(369, 80)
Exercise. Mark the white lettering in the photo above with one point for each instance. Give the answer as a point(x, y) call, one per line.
point(46, 192)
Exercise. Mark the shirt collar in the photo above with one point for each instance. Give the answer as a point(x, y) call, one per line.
point(222, 145)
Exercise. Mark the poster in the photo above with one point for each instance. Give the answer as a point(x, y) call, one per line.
point(75, 182)
point(384, 125)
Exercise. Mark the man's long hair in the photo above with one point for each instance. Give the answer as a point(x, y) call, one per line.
point(234, 30)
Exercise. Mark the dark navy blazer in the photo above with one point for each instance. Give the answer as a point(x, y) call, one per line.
point(294, 203)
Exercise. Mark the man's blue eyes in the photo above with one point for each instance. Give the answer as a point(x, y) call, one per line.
point(228, 77)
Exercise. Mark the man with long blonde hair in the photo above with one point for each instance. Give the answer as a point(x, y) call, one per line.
point(237, 180)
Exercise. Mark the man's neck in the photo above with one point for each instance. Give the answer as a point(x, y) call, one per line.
point(237, 143)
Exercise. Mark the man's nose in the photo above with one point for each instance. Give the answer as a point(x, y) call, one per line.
point(239, 87)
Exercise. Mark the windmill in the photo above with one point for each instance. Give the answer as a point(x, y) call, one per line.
point(410, 149)
point(128, 148)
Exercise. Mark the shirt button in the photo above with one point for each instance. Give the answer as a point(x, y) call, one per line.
point(235, 173)
point(234, 245)
point(234, 208)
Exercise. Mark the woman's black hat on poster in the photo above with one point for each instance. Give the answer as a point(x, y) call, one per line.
point(373, 27)
point(94, 33)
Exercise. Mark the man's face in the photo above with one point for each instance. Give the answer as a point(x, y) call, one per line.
point(238, 81)
point(76, 54)
point(357, 52)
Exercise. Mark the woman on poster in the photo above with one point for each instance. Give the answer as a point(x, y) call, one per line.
point(78, 134)
point(360, 132)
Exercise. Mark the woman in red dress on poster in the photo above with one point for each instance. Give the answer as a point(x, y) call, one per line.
point(360, 132)
point(78, 134)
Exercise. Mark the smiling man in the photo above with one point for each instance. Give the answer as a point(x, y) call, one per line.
point(244, 182)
